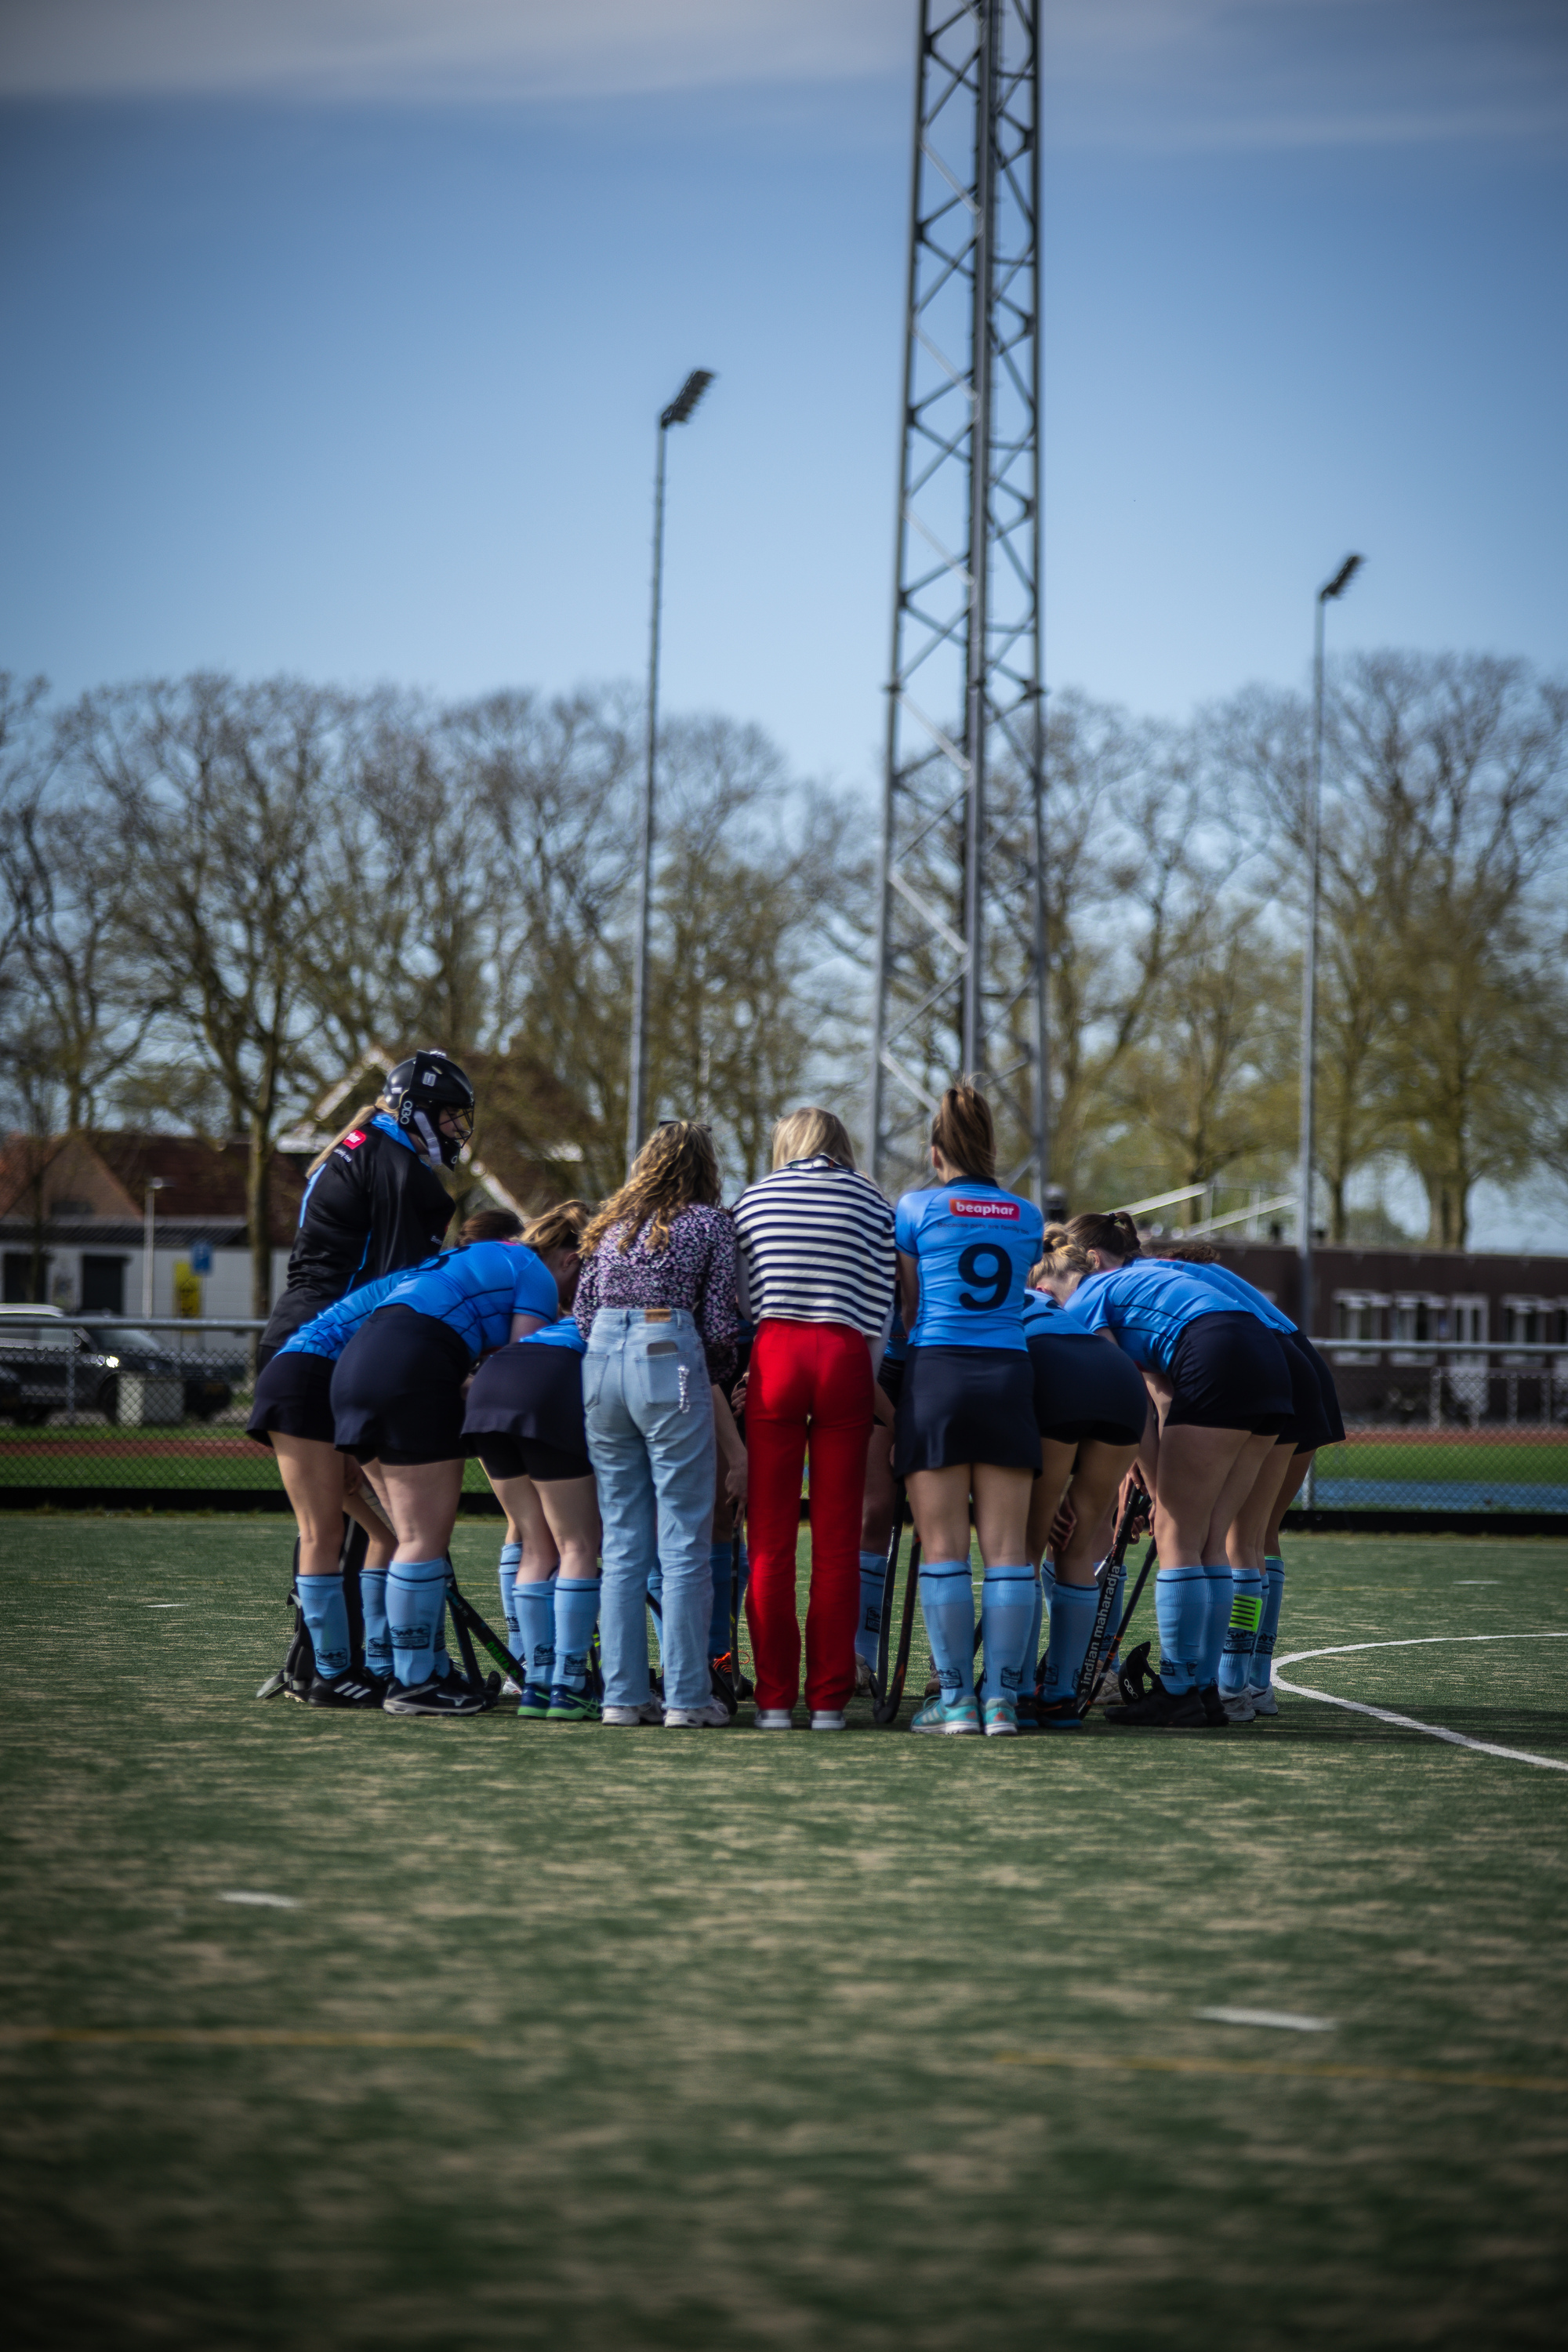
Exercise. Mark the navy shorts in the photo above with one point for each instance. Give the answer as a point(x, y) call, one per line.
point(1309, 1425)
point(397, 1392)
point(967, 1404)
point(890, 1378)
point(1084, 1390)
point(293, 1395)
point(1231, 1372)
point(1330, 1424)
point(525, 1414)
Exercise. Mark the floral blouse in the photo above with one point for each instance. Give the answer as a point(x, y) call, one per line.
point(699, 1270)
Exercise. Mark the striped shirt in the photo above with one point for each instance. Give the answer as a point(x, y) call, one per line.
point(816, 1246)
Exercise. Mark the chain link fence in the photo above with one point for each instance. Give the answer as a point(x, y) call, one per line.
point(98, 1411)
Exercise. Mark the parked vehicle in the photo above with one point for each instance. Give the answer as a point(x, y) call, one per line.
point(48, 1363)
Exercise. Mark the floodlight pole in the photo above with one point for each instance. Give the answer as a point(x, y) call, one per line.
point(1327, 593)
point(154, 1185)
point(678, 412)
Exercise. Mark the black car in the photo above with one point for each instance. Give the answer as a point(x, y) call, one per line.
point(49, 1364)
point(121, 1348)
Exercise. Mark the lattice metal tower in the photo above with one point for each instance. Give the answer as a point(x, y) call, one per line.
point(961, 968)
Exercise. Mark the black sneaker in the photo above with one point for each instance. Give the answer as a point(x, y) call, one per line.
point(452, 1697)
point(354, 1688)
point(1054, 1714)
point(1161, 1710)
point(1215, 1715)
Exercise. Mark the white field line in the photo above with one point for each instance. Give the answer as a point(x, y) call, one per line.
point(1409, 1722)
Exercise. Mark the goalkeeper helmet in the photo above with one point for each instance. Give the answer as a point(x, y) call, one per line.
point(418, 1091)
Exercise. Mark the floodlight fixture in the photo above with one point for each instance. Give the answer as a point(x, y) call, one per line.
point(1342, 579)
point(691, 392)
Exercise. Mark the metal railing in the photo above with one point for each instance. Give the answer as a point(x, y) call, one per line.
point(90, 1418)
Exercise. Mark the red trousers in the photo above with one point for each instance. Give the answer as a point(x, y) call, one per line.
point(808, 1390)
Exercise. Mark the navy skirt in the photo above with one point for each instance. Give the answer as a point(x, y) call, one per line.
point(293, 1396)
point(1084, 1389)
point(967, 1404)
point(525, 1414)
point(1231, 1372)
point(397, 1392)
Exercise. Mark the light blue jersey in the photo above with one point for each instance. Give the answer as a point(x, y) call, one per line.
point(1149, 1303)
point(1043, 1317)
point(564, 1334)
point(1245, 1295)
point(329, 1333)
point(477, 1291)
point(974, 1244)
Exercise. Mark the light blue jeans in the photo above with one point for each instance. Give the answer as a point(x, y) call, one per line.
point(648, 1405)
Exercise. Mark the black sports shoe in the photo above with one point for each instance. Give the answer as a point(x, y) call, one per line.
point(1054, 1715)
point(1161, 1710)
point(452, 1697)
point(1215, 1715)
point(353, 1688)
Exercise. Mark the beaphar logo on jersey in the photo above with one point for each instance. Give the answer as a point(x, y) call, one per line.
point(959, 1207)
point(353, 1138)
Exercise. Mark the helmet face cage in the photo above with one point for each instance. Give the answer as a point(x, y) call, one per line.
point(423, 1089)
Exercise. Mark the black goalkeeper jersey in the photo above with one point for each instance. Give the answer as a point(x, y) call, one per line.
point(373, 1207)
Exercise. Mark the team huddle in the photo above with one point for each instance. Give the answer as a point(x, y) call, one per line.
point(643, 1381)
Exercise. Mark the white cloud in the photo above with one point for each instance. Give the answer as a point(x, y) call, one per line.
point(437, 49)
point(1182, 73)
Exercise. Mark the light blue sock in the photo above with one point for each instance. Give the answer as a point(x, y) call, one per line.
point(377, 1640)
point(1032, 1647)
point(1269, 1623)
point(535, 1650)
point(947, 1605)
point(443, 1659)
point(511, 1554)
point(1072, 1614)
point(1006, 1607)
point(576, 1608)
point(1047, 1602)
point(1181, 1612)
point(873, 1570)
point(1241, 1633)
point(416, 1604)
point(1217, 1623)
point(325, 1611)
point(1072, 1623)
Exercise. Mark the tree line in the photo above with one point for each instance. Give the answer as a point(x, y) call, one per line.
point(219, 896)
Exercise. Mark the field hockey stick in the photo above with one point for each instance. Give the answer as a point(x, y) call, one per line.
point(1109, 1659)
point(887, 1687)
point(276, 1684)
point(1088, 1674)
point(472, 1627)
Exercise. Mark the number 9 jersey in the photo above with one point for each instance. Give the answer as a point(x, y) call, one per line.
point(974, 1246)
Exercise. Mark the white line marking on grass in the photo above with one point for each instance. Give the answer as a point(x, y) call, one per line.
point(1477, 1579)
point(164, 1604)
point(269, 1901)
point(1409, 1722)
point(1286, 2020)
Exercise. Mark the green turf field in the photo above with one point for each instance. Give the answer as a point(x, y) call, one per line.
point(586, 2038)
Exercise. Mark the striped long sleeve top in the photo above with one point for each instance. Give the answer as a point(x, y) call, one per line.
point(816, 1246)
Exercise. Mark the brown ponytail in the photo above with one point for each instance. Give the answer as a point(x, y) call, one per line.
point(964, 1134)
point(1061, 1253)
point(561, 1227)
point(1110, 1230)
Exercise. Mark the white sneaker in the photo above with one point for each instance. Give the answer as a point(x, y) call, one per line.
point(827, 1718)
point(711, 1715)
point(774, 1719)
point(624, 1718)
point(1263, 1700)
point(1239, 1709)
point(510, 1689)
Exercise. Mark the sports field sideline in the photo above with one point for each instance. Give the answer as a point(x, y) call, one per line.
point(582, 2037)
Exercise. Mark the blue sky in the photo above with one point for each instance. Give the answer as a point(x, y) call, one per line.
point(336, 331)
